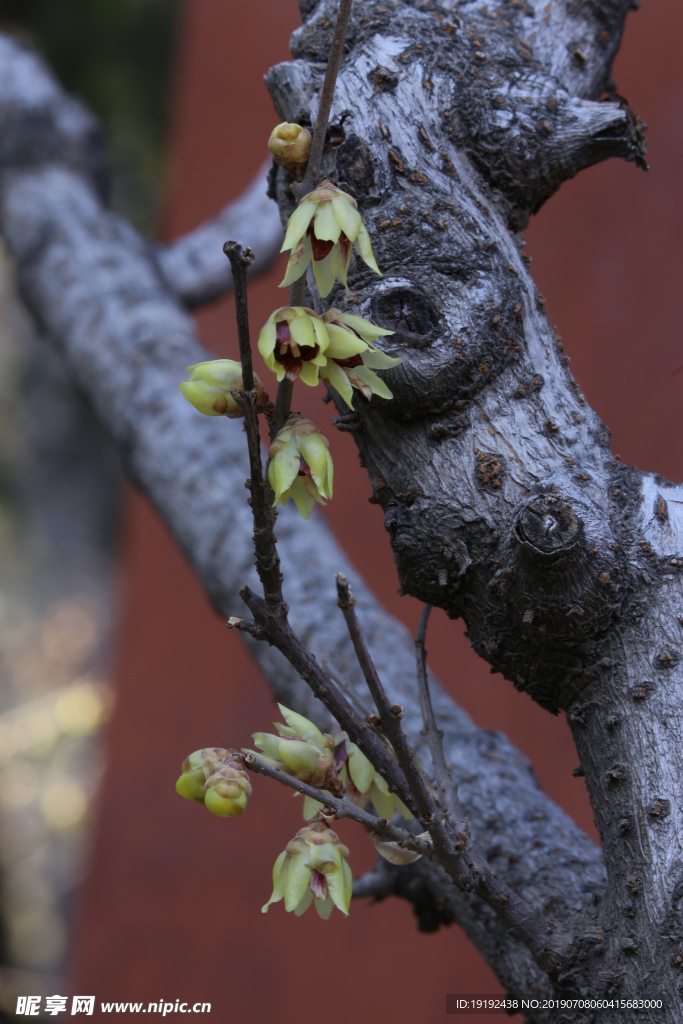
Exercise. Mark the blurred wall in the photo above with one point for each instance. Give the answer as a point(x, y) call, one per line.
point(171, 908)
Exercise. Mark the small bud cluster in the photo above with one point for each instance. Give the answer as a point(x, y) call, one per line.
point(215, 777)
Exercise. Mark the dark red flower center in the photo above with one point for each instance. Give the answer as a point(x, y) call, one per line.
point(304, 468)
point(291, 355)
point(322, 248)
point(318, 884)
point(350, 362)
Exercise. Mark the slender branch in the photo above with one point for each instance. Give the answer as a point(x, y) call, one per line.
point(280, 635)
point(326, 97)
point(297, 291)
point(390, 717)
point(267, 558)
point(240, 260)
point(342, 807)
point(446, 788)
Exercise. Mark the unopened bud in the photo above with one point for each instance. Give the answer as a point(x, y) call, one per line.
point(215, 777)
point(290, 145)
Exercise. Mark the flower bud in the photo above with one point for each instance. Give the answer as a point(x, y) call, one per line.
point(300, 749)
point(313, 868)
point(214, 776)
point(227, 791)
point(211, 383)
point(290, 145)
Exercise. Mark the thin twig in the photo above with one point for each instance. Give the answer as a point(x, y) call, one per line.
point(342, 808)
point(280, 635)
point(297, 291)
point(327, 95)
point(267, 559)
point(390, 717)
point(448, 792)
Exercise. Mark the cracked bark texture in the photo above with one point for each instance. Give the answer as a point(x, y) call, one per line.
point(97, 289)
point(451, 124)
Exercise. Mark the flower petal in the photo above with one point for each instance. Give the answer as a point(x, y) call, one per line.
point(279, 877)
point(301, 330)
point(298, 262)
point(326, 225)
point(298, 224)
point(362, 772)
point(303, 499)
point(321, 334)
point(378, 360)
point(309, 372)
point(298, 755)
point(283, 469)
point(311, 807)
point(268, 743)
point(296, 882)
point(381, 797)
point(330, 477)
point(339, 381)
point(303, 727)
point(304, 903)
point(324, 907)
point(375, 383)
point(343, 343)
point(364, 249)
point(324, 271)
point(314, 451)
point(347, 216)
point(367, 330)
point(266, 342)
point(201, 396)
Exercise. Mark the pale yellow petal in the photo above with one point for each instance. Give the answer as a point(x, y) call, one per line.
point(375, 383)
point(364, 249)
point(301, 329)
point(298, 263)
point(343, 343)
point(325, 275)
point(303, 500)
point(309, 373)
point(298, 224)
point(339, 381)
point(283, 469)
point(326, 225)
point(347, 216)
point(365, 328)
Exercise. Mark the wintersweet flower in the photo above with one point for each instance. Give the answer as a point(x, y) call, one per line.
point(210, 384)
point(313, 867)
point(300, 749)
point(215, 777)
point(290, 145)
point(292, 342)
point(323, 229)
point(300, 465)
point(362, 783)
point(355, 371)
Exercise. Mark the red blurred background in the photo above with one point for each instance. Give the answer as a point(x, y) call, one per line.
point(171, 907)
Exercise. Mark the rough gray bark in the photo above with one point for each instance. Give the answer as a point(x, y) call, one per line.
point(512, 543)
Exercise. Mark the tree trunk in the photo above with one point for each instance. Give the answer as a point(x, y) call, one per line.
point(452, 124)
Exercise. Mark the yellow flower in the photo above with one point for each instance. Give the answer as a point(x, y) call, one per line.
point(324, 228)
point(209, 386)
point(300, 465)
point(292, 343)
point(214, 777)
point(313, 867)
point(356, 371)
point(362, 784)
point(290, 145)
point(300, 749)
